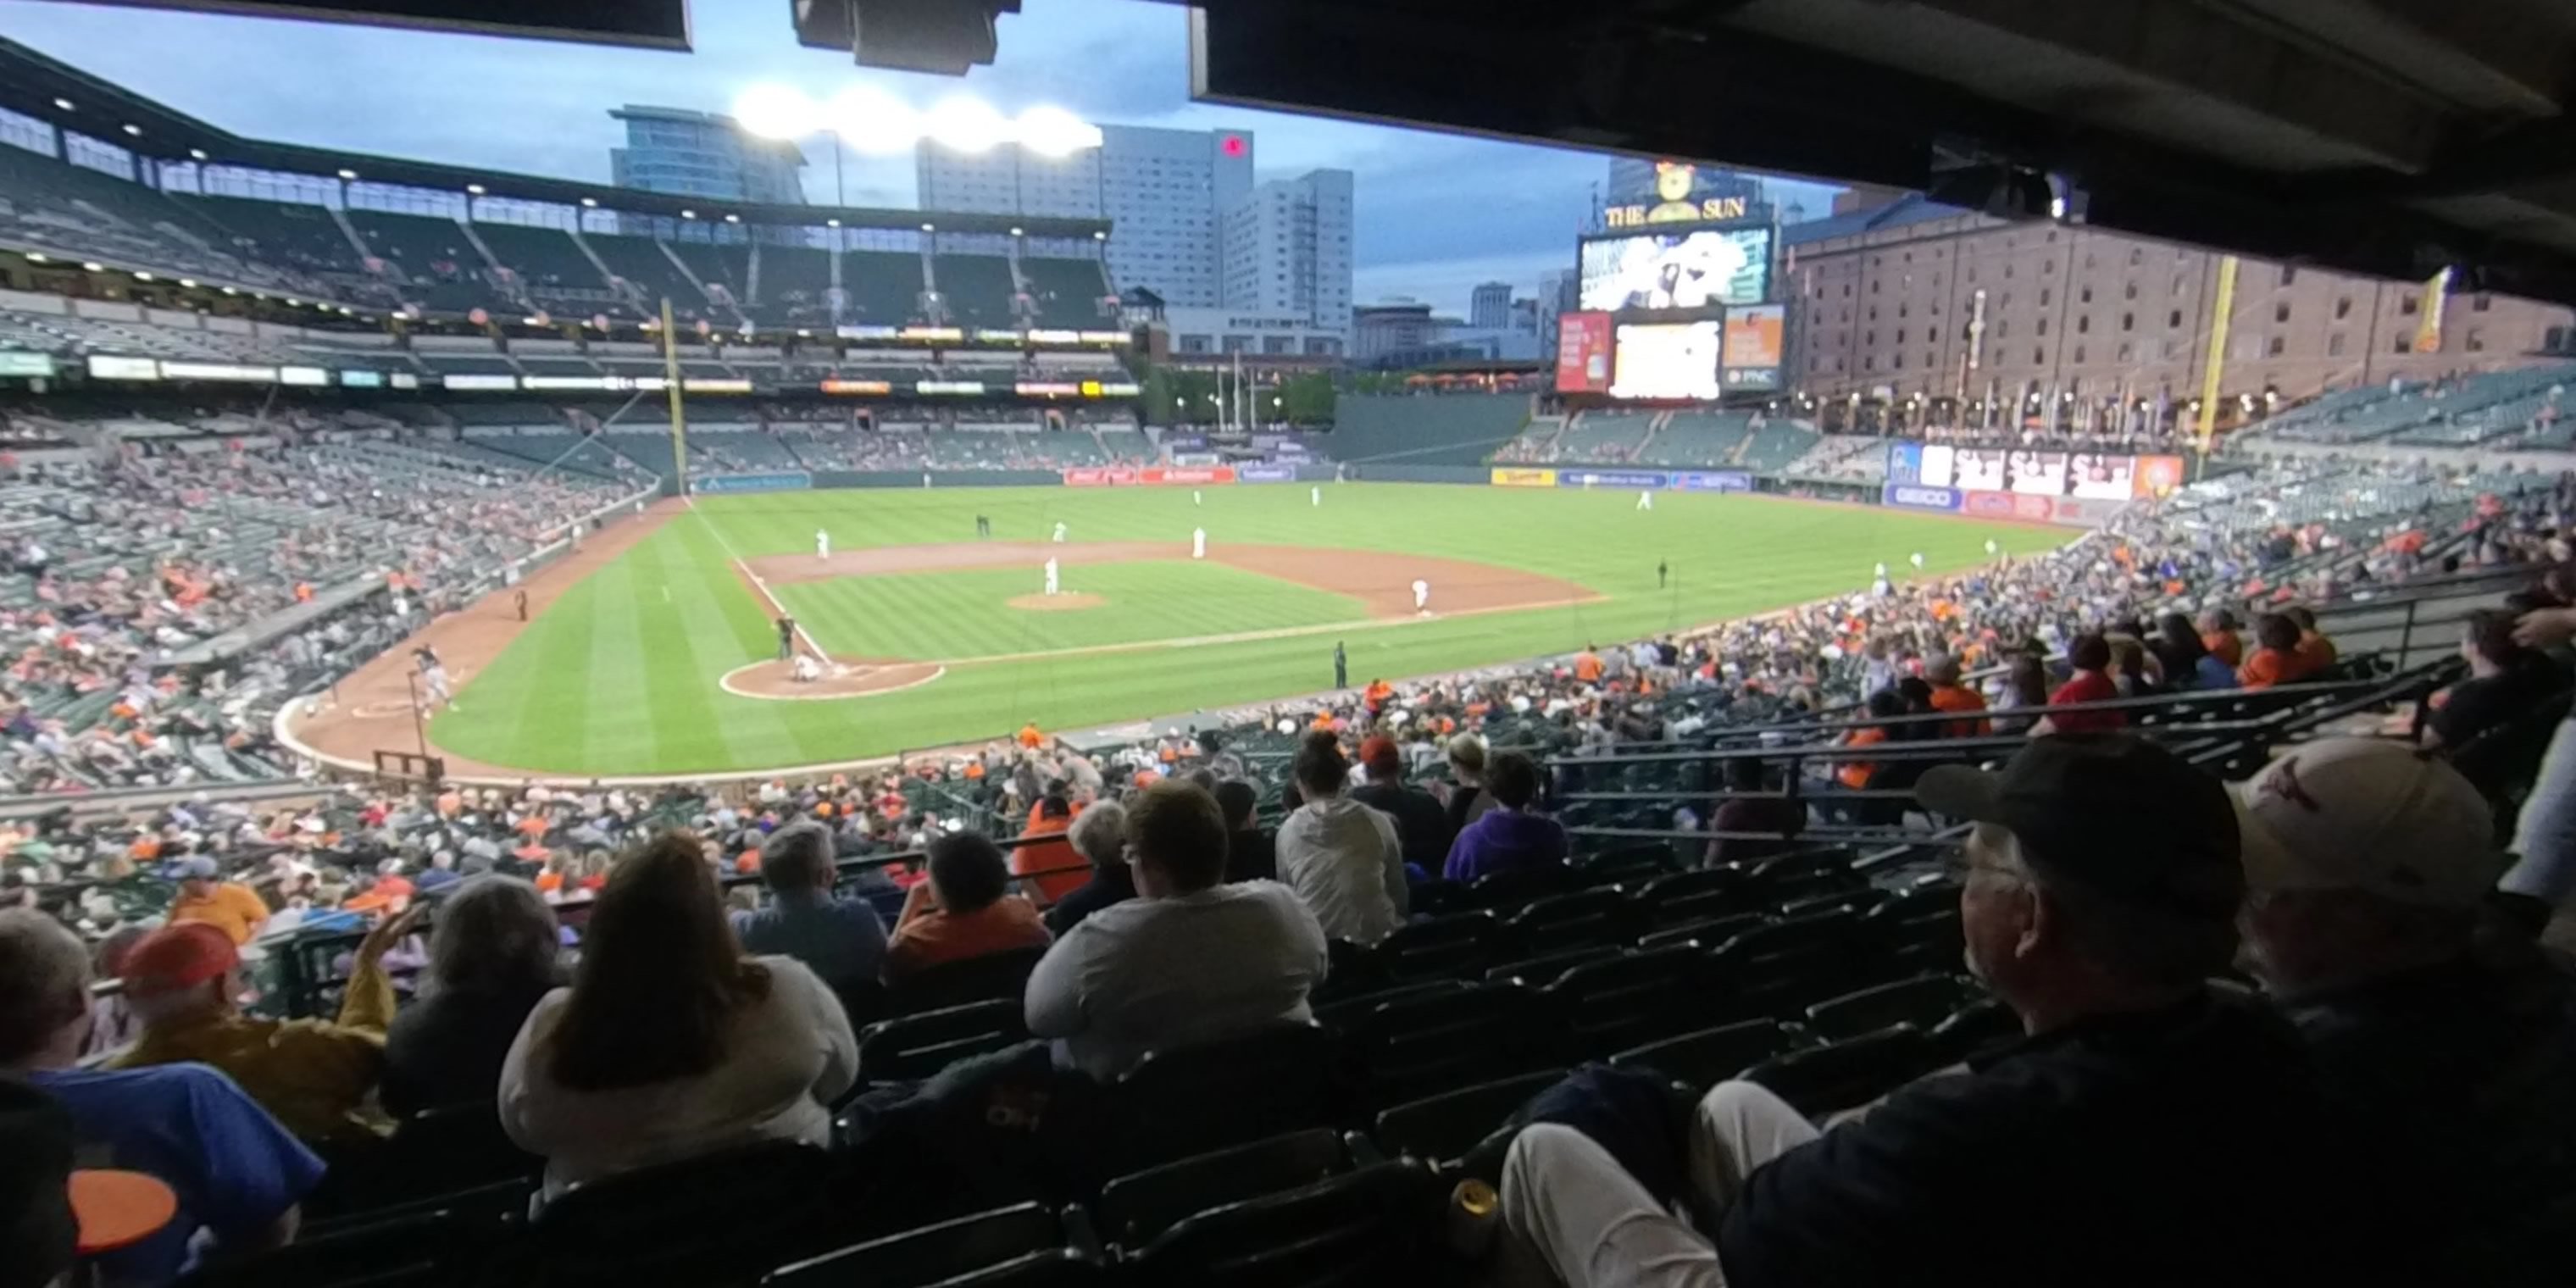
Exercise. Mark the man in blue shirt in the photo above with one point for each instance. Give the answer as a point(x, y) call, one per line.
point(843, 940)
point(238, 1175)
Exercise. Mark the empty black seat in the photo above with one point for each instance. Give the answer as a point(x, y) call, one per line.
point(447, 1238)
point(1440, 1131)
point(1615, 1004)
point(1708, 1057)
point(1543, 969)
point(1917, 930)
point(1980, 1028)
point(1455, 945)
point(1136, 1208)
point(1510, 889)
point(1847, 1074)
point(916, 1046)
point(1707, 933)
point(1581, 919)
point(1697, 896)
point(1414, 1047)
point(722, 1214)
point(1339, 1015)
point(936, 1254)
point(1780, 969)
point(1359, 1228)
point(993, 977)
point(1191, 1100)
point(1859, 900)
point(1922, 1002)
point(433, 1153)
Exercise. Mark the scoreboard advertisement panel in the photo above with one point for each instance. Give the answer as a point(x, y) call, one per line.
point(2017, 471)
point(1676, 360)
point(1752, 349)
point(1583, 353)
point(1700, 269)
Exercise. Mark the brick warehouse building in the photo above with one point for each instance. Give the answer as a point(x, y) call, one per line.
point(1887, 293)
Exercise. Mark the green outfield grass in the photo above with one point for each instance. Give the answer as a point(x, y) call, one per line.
point(620, 676)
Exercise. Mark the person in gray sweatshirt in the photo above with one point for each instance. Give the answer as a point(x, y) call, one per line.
point(1341, 857)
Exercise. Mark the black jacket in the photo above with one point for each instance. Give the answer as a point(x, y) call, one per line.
point(1251, 856)
point(447, 1047)
point(1113, 884)
point(1422, 828)
point(2187, 1146)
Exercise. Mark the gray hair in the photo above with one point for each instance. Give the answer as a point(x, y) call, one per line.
point(1100, 834)
point(44, 981)
point(494, 932)
point(2184, 935)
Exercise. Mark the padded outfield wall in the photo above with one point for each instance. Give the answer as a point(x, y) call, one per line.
point(1442, 429)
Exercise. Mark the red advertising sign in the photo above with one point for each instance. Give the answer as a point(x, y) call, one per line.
point(2157, 475)
point(1157, 476)
point(1583, 353)
point(2007, 505)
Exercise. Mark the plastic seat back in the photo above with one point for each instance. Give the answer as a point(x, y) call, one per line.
point(1849, 1073)
point(993, 977)
point(935, 1254)
point(916, 1046)
point(1703, 1059)
point(1923, 1002)
point(1441, 1130)
point(1357, 1228)
point(1136, 1208)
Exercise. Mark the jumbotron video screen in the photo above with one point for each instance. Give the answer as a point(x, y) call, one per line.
point(1700, 269)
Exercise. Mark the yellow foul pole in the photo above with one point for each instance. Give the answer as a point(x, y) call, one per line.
point(671, 389)
point(2222, 303)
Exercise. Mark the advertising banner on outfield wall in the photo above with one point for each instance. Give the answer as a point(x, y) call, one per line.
point(2084, 511)
point(1609, 478)
point(1915, 496)
point(2011, 505)
point(782, 481)
point(1121, 476)
point(1712, 481)
point(1265, 474)
point(1524, 478)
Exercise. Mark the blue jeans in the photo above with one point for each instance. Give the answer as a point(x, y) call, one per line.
point(2545, 834)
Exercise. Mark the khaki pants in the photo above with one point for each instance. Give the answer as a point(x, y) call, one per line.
point(1573, 1216)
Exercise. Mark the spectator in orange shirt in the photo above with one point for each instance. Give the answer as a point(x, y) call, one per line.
point(1942, 671)
point(2279, 660)
point(1052, 816)
point(1377, 695)
point(227, 906)
point(2218, 635)
point(2316, 648)
point(2090, 655)
point(1029, 736)
point(1587, 666)
point(965, 910)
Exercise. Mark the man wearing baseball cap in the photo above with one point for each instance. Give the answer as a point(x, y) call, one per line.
point(1421, 826)
point(2148, 1131)
point(317, 1076)
point(204, 897)
point(2369, 867)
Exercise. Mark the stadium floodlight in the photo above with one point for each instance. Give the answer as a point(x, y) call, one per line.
point(348, 174)
point(474, 190)
point(831, 223)
point(930, 228)
point(94, 266)
point(872, 122)
point(133, 131)
point(62, 105)
point(1016, 232)
point(964, 124)
point(590, 203)
point(230, 291)
point(1055, 132)
point(776, 112)
point(189, 282)
point(1098, 236)
point(733, 219)
point(39, 257)
point(688, 214)
point(196, 154)
point(141, 276)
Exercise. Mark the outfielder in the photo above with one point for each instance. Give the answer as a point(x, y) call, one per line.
point(1314, 496)
point(822, 544)
point(1050, 570)
point(1421, 596)
point(1059, 532)
point(433, 675)
point(1645, 500)
point(1198, 543)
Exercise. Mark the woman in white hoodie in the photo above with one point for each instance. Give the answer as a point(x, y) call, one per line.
point(1341, 857)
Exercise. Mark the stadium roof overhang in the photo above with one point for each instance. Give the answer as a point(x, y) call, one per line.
point(32, 84)
point(2391, 137)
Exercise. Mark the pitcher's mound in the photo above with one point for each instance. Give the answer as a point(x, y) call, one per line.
point(842, 678)
point(1055, 603)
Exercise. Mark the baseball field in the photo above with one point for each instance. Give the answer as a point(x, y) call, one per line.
point(654, 652)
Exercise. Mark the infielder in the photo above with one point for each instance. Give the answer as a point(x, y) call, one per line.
point(1059, 532)
point(1645, 500)
point(822, 544)
point(433, 675)
point(1050, 569)
point(1198, 543)
point(1421, 597)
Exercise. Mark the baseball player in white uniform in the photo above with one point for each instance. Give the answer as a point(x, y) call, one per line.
point(1421, 596)
point(1314, 496)
point(1059, 532)
point(1051, 576)
point(1645, 500)
point(1198, 543)
point(822, 544)
point(1917, 560)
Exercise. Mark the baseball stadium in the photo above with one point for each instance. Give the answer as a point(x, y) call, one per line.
point(601, 721)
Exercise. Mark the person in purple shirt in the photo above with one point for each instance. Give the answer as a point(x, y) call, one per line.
point(1508, 836)
point(238, 1175)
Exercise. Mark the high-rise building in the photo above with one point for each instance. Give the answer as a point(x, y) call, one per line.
point(1489, 306)
point(1560, 291)
point(1287, 249)
point(704, 154)
point(1165, 194)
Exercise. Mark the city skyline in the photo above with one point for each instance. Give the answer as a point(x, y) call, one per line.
point(1435, 214)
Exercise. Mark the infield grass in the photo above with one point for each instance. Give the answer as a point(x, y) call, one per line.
point(620, 676)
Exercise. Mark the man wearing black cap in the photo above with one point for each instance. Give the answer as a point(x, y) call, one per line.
point(2147, 1132)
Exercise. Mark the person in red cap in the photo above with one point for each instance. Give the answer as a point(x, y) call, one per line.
point(316, 1076)
point(1421, 824)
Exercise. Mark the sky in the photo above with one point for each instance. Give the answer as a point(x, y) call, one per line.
point(539, 107)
